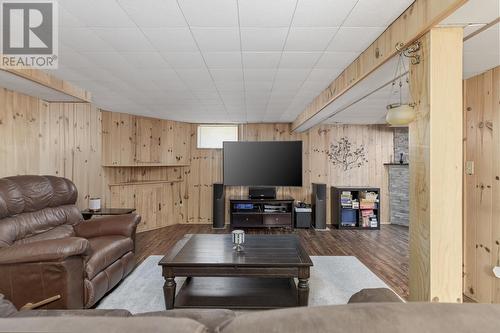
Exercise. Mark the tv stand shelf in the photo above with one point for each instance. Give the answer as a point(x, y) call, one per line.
point(261, 213)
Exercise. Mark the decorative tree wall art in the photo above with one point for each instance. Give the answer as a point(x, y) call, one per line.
point(347, 155)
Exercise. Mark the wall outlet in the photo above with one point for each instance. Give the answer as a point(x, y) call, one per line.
point(469, 168)
point(496, 271)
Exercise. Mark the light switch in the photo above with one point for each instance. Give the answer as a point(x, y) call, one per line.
point(469, 168)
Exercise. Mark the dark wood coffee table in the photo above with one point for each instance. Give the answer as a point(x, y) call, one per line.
point(262, 276)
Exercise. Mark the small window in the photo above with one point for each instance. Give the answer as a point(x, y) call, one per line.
point(212, 136)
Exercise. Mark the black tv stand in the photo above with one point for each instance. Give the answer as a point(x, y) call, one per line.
point(261, 213)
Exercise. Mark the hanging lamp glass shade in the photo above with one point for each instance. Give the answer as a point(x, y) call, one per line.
point(399, 114)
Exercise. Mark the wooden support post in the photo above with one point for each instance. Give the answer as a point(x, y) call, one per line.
point(436, 169)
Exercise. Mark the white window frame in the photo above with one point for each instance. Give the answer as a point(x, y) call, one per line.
point(199, 135)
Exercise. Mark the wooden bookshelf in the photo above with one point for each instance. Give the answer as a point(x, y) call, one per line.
point(347, 217)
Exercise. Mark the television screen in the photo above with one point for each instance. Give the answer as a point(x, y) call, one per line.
point(273, 163)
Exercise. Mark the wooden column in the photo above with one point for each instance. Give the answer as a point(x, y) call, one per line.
point(436, 169)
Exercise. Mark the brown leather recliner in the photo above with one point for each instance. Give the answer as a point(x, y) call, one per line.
point(47, 249)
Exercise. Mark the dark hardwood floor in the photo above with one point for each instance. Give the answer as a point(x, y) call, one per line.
point(384, 251)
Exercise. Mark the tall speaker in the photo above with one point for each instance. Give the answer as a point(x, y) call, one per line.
point(318, 202)
point(218, 211)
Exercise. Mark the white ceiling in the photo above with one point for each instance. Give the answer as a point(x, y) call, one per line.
point(217, 60)
point(481, 53)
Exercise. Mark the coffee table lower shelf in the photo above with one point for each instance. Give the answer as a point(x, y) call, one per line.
point(237, 293)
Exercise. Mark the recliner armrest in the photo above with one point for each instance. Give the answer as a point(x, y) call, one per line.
point(115, 225)
point(47, 250)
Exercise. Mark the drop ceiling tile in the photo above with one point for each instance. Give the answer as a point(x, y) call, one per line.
point(287, 85)
point(263, 39)
point(223, 59)
point(336, 60)
point(253, 74)
point(217, 39)
point(171, 39)
point(314, 87)
point(299, 59)
point(68, 74)
point(229, 86)
point(265, 13)
point(253, 86)
point(292, 74)
point(261, 59)
point(487, 41)
point(144, 59)
point(324, 74)
point(124, 39)
point(213, 13)
point(154, 13)
point(98, 13)
point(83, 39)
point(376, 13)
point(475, 11)
point(354, 39)
point(322, 13)
point(309, 39)
point(191, 75)
point(68, 20)
point(73, 59)
point(111, 60)
point(184, 60)
point(227, 75)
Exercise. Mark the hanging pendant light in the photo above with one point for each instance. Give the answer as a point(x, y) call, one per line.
point(400, 114)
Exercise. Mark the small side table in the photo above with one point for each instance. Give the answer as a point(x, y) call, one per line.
point(87, 213)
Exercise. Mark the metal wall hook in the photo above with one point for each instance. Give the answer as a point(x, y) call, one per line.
point(410, 51)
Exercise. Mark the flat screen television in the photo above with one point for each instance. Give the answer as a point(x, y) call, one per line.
point(263, 163)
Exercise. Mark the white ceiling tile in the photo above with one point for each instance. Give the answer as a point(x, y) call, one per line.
point(124, 39)
point(144, 59)
point(324, 74)
point(292, 74)
point(259, 86)
point(299, 59)
point(171, 39)
point(263, 39)
point(322, 13)
point(98, 13)
point(213, 13)
point(83, 39)
point(255, 74)
point(230, 85)
point(265, 13)
point(376, 13)
point(223, 59)
point(217, 39)
point(200, 74)
point(261, 59)
point(68, 20)
point(227, 75)
point(354, 38)
point(309, 39)
point(475, 11)
point(336, 60)
point(154, 13)
point(110, 60)
point(184, 60)
point(314, 87)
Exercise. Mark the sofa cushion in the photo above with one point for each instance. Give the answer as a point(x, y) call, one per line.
point(73, 313)
point(104, 251)
point(373, 318)
point(7, 309)
point(211, 318)
point(102, 324)
point(58, 232)
point(375, 295)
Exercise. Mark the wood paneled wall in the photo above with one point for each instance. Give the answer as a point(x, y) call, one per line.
point(62, 139)
point(206, 164)
point(482, 188)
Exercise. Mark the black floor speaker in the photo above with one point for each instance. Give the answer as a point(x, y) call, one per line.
point(218, 211)
point(318, 202)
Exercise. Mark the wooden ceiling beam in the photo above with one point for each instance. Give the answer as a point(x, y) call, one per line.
point(50, 81)
point(415, 21)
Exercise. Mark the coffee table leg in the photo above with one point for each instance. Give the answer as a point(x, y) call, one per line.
point(169, 292)
point(303, 291)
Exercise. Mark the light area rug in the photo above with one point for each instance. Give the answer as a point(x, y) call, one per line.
point(333, 281)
